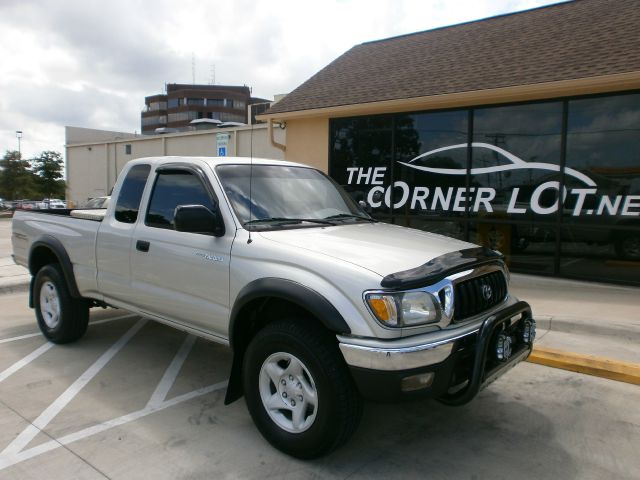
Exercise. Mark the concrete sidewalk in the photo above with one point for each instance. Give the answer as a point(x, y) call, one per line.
point(584, 327)
point(13, 278)
point(578, 319)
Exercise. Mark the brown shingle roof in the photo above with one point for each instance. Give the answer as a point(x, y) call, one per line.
point(580, 39)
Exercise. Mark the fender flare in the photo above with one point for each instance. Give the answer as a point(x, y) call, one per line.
point(294, 292)
point(55, 246)
point(284, 289)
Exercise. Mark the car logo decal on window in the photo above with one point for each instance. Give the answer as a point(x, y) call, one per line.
point(516, 164)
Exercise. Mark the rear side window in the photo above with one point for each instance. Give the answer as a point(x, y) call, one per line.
point(131, 193)
point(173, 188)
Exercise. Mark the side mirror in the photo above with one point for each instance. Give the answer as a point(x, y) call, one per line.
point(198, 219)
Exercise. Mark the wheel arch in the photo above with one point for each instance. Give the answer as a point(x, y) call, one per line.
point(260, 302)
point(44, 251)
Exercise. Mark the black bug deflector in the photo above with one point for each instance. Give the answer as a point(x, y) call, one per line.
point(440, 267)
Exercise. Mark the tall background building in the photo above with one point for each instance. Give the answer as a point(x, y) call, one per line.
point(189, 107)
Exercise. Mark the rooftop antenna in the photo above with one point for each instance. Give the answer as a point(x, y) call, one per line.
point(212, 76)
point(193, 68)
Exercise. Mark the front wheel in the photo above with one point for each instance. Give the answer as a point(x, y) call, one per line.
point(61, 318)
point(298, 389)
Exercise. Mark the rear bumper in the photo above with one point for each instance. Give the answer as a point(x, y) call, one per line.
point(452, 366)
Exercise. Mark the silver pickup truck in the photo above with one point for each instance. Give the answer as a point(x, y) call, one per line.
point(322, 305)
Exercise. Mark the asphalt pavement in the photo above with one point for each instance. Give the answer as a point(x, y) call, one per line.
point(135, 399)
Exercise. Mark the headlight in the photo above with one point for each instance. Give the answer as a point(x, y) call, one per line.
point(404, 309)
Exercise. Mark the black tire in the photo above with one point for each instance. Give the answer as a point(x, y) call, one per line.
point(72, 319)
point(338, 406)
point(627, 245)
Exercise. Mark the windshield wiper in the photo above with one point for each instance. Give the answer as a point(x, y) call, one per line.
point(284, 221)
point(348, 216)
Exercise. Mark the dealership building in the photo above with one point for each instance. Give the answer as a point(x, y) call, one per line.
point(520, 132)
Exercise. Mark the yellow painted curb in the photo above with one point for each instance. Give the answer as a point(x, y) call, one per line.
point(589, 364)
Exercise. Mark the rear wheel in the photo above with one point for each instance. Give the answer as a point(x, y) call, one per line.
point(298, 389)
point(627, 245)
point(61, 318)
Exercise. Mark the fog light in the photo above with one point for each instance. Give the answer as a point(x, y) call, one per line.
point(503, 347)
point(529, 331)
point(417, 382)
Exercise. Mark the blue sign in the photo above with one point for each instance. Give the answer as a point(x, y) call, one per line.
point(222, 151)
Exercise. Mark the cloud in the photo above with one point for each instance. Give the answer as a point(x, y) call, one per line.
point(91, 63)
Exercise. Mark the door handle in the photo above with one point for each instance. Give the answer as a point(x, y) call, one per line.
point(142, 245)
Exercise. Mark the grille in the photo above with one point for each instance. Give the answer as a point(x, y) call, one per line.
point(470, 295)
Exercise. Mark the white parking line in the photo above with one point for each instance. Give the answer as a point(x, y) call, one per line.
point(171, 373)
point(9, 459)
point(21, 337)
point(37, 334)
point(28, 434)
point(25, 361)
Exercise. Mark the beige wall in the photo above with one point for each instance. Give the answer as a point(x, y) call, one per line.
point(93, 165)
point(308, 142)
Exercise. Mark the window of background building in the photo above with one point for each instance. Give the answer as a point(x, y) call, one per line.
point(215, 102)
point(150, 120)
point(127, 149)
point(153, 106)
point(231, 117)
point(195, 101)
point(600, 238)
point(173, 102)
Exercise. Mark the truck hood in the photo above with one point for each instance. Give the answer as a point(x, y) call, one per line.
point(379, 247)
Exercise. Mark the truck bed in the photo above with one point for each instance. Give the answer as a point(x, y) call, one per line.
point(76, 233)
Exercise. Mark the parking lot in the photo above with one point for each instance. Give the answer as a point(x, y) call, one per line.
point(136, 399)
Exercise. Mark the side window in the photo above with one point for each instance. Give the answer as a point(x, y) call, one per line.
point(131, 193)
point(173, 188)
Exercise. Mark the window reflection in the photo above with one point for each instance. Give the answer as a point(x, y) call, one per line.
point(503, 138)
point(419, 141)
point(511, 197)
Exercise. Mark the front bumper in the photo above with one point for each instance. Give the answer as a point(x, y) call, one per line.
point(453, 365)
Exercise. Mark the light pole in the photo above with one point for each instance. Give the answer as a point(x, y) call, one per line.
point(19, 136)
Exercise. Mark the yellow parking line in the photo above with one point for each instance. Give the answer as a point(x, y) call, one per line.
point(589, 364)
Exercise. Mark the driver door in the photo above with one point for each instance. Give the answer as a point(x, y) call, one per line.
point(181, 276)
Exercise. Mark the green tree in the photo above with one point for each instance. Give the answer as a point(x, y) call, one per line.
point(16, 181)
point(48, 169)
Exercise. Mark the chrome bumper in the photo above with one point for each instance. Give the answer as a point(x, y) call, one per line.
point(394, 355)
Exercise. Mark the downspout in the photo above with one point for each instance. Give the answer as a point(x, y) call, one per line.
point(273, 141)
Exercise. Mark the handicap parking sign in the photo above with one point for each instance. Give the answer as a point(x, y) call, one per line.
point(222, 151)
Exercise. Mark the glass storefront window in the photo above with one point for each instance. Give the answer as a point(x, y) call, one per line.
point(361, 160)
point(601, 220)
point(423, 150)
point(504, 138)
point(500, 185)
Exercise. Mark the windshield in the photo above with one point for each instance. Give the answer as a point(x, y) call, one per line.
point(282, 195)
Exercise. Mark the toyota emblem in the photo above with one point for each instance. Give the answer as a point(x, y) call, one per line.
point(486, 291)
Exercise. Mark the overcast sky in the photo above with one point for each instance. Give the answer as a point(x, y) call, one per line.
point(90, 63)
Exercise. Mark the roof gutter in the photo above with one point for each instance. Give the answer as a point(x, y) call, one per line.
point(519, 93)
